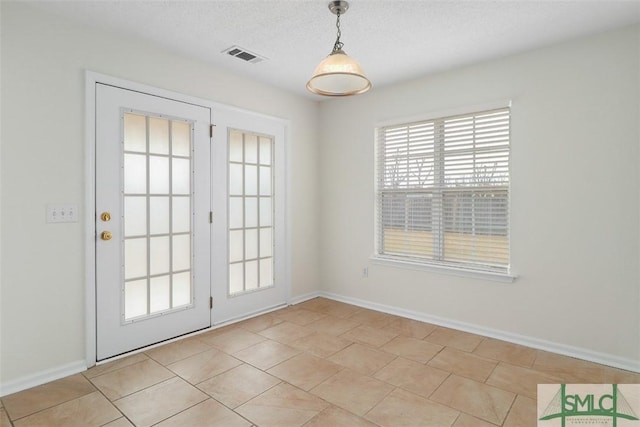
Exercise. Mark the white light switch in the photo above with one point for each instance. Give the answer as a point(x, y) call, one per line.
point(62, 213)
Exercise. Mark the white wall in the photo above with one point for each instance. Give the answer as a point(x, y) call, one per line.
point(574, 197)
point(43, 161)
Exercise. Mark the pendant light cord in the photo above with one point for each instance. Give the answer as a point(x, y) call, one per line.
point(338, 44)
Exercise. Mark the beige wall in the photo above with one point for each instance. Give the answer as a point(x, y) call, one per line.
point(574, 197)
point(43, 161)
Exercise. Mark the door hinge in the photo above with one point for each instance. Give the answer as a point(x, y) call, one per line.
point(210, 302)
point(210, 217)
point(211, 130)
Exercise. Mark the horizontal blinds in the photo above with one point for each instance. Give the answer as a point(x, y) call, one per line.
point(443, 190)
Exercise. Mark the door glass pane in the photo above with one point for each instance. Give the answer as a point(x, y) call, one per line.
point(250, 148)
point(236, 246)
point(236, 278)
point(235, 146)
point(159, 252)
point(135, 133)
point(181, 176)
point(135, 258)
point(135, 174)
point(251, 244)
point(181, 294)
point(181, 218)
point(265, 181)
point(250, 180)
point(158, 175)
point(235, 212)
point(181, 138)
point(158, 135)
point(266, 242)
point(157, 222)
point(250, 214)
point(159, 299)
point(159, 215)
point(135, 297)
point(265, 211)
point(181, 252)
point(251, 275)
point(135, 216)
point(235, 179)
point(265, 151)
point(266, 272)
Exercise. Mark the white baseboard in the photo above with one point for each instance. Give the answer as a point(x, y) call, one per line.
point(42, 377)
point(305, 297)
point(553, 347)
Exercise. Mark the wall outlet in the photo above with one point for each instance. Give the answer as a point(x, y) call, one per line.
point(365, 272)
point(62, 213)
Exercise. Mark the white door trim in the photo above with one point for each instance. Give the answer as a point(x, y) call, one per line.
point(91, 79)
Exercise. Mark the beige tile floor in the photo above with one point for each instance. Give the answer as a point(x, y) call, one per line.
point(319, 363)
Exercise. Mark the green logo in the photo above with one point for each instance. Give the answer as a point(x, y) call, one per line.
point(586, 405)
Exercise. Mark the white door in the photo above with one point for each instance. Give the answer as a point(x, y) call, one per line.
point(152, 219)
point(250, 259)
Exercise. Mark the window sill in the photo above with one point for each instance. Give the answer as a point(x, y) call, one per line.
point(474, 274)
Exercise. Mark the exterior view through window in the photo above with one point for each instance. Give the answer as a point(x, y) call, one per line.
point(443, 191)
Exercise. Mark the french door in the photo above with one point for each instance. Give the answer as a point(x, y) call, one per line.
point(249, 262)
point(153, 180)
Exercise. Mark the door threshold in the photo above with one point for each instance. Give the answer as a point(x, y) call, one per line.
point(192, 334)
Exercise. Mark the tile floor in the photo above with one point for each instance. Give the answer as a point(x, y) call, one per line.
point(319, 363)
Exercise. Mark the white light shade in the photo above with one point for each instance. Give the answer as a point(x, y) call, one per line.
point(338, 75)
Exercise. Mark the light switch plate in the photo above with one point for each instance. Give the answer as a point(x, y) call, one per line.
point(62, 213)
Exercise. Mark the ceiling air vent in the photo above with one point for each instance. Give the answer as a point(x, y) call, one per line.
point(244, 54)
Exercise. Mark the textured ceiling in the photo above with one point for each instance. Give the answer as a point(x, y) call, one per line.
point(394, 40)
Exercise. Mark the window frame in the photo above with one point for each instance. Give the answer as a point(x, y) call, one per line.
point(404, 260)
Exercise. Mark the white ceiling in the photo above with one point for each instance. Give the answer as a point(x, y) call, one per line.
point(394, 40)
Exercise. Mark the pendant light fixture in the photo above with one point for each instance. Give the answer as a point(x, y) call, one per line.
point(337, 74)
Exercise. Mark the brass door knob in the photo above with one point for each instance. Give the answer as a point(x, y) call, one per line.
point(106, 235)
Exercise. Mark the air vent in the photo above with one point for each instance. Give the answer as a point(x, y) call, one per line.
point(244, 54)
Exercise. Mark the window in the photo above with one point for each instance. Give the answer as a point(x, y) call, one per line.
point(443, 191)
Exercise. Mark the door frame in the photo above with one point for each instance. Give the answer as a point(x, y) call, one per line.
point(93, 78)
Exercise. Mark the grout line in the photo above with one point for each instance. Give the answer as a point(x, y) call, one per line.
point(116, 408)
point(513, 403)
point(119, 369)
point(492, 371)
point(177, 343)
point(382, 398)
point(52, 406)
point(185, 409)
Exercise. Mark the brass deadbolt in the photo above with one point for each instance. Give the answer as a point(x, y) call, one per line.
point(105, 216)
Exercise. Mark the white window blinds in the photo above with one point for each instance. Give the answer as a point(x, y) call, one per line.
point(443, 191)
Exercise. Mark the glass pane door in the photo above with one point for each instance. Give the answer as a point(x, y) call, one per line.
point(153, 235)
